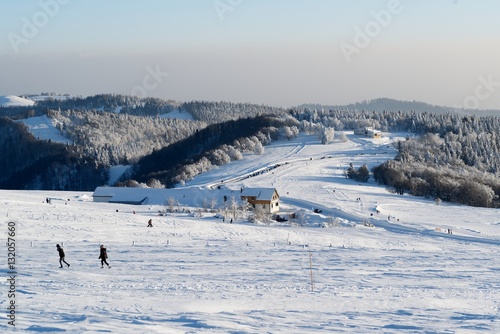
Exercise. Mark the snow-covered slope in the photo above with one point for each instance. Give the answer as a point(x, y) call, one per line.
point(42, 127)
point(179, 114)
point(199, 274)
point(15, 101)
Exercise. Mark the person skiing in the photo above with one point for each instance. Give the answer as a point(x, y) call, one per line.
point(61, 256)
point(103, 256)
point(150, 223)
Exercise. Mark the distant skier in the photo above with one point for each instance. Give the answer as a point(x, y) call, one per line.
point(103, 256)
point(150, 223)
point(61, 256)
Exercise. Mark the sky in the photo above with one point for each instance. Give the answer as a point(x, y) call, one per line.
point(275, 52)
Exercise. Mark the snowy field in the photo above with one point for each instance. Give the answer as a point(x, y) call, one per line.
point(14, 101)
point(188, 274)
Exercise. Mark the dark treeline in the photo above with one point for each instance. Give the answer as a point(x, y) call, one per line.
point(28, 163)
point(165, 164)
point(21, 112)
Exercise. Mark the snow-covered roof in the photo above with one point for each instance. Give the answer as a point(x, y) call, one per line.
point(193, 196)
point(263, 194)
point(250, 192)
point(104, 192)
point(127, 199)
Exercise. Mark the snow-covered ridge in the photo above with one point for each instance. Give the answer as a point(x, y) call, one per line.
point(15, 101)
point(43, 128)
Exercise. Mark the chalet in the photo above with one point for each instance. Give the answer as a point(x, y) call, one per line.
point(266, 198)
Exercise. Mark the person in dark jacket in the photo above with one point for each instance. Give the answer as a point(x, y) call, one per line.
point(61, 256)
point(150, 223)
point(103, 256)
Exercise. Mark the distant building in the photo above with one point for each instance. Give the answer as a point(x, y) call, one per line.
point(368, 131)
point(267, 198)
point(103, 194)
point(118, 195)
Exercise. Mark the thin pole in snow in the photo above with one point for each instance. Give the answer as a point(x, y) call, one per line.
point(311, 269)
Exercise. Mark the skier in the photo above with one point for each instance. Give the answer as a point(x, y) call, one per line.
point(103, 256)
point(61, 256)
point(150, 223)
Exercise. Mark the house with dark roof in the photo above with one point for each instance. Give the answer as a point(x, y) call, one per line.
point(265, 198)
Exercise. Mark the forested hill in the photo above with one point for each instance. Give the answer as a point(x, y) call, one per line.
point(204, 111)
point(133, 105)
point(214, 145)
point(105, 130)
point(216, 112)
point(385, 104)
point(28, 163)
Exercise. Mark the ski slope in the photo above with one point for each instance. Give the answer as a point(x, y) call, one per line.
point(191, 274)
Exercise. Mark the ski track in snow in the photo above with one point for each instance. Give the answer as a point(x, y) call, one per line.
point(201, 275)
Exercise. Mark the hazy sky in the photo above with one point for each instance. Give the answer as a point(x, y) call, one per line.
point(276, 52)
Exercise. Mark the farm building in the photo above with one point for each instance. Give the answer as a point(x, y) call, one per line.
point(119, 195)
point(368, 131)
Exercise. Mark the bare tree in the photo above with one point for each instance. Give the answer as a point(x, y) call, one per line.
point(171, 202)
